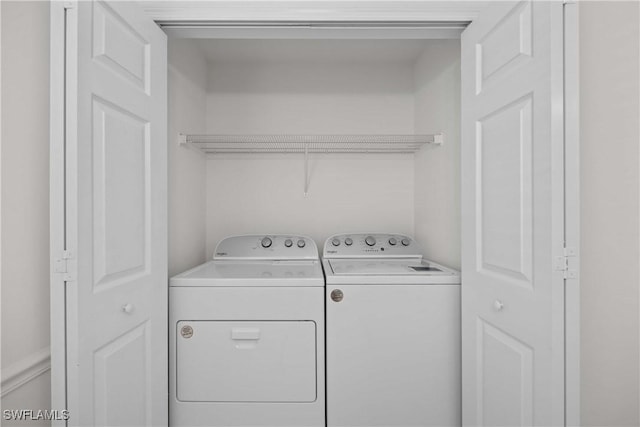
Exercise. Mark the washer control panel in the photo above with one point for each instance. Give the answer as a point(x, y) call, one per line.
point(371, 245)
point(266, 247)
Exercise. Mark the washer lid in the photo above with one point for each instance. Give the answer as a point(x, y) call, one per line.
point(387, 267)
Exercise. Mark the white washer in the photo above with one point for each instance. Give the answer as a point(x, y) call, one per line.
point(247, 336)
point(393, 334)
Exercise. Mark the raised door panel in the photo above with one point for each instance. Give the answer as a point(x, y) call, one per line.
point(505, 376)
point(504, 192)
point(505, 46)
point(120, 47)
point(121, 206)
point(123, 380)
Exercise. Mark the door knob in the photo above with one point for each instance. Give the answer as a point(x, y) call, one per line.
point(127, 308)
point(337, 295)
point(498, 305)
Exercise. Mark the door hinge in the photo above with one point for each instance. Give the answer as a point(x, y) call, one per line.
point(567, 263)
point(61, 266)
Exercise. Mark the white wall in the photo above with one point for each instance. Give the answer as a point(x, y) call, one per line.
point(347, 193)
point(437, 168)
point(25, 197)
point(187, 81)
point(35, 394)
point(310, 98)
point(610, 214)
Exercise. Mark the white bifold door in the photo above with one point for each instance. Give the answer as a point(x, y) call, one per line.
point(513, 216)
point(113, 251)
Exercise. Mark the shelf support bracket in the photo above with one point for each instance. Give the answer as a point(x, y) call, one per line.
point(438, 138)
point(306, 169)
point(182, 142)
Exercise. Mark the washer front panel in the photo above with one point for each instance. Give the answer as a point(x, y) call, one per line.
point(393, 356)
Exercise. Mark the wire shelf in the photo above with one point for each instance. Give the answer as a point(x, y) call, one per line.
point(211, 144)
point(310, 143)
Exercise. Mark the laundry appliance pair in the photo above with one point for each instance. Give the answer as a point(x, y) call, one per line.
point(262, 333)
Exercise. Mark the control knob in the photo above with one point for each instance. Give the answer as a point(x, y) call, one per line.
point(288, 243)
point(335, 242)
point(301, 243)
point(348, 241)
point(405, 242)
point(370, 240)
point(266, 242)
point(393, 241)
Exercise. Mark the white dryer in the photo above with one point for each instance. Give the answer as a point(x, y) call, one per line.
point(247, 336)
point(393, 334)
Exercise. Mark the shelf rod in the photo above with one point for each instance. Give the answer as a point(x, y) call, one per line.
point(309, 143)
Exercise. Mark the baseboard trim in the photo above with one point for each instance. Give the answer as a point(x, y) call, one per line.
point(25, 370)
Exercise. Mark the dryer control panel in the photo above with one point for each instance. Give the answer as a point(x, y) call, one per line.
point(266, 247)
point(371, 245)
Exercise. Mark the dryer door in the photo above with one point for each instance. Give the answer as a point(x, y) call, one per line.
point(246, 361)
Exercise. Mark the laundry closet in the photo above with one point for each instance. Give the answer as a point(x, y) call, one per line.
point(314, 137)
point(331, 87)
point(449, 129)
